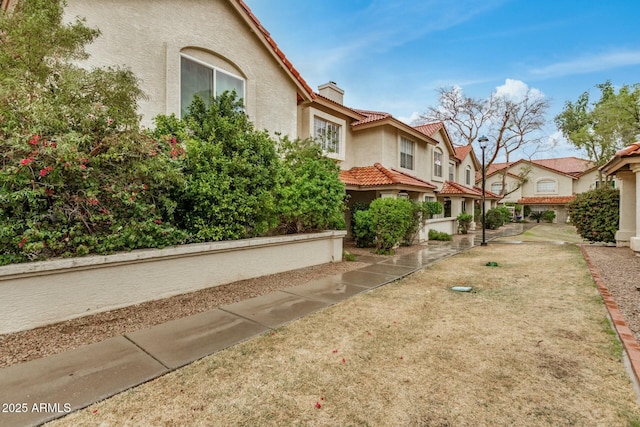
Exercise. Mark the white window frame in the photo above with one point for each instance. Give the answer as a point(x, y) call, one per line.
point(407, 153)
point(437, 162)
point(496, 187)
point(342, 124)
point(546, 181)
point(214, 70)
point(467, 175)
point(452, 171)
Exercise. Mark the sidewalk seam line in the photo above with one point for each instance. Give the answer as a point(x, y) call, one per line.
point(147, 353)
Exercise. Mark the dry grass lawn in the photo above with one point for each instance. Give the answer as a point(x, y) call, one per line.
point(531, 346)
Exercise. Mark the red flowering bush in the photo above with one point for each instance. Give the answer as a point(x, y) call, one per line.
point(77, 175)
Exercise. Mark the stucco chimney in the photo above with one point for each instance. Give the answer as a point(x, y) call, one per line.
point(332, 91)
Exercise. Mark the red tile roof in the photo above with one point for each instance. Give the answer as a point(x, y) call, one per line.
point(370, 116)
point(377, 175)
point(463, 151)
point(572, 166)
point(451, 187)
point(429, 129)
point(287, 64)
point(546, 200)
point(631, 150)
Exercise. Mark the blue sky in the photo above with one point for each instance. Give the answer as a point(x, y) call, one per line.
point(392, 55)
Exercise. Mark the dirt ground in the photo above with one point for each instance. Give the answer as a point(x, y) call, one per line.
point(531, 345)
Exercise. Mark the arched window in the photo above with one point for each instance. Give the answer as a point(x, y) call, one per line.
point(437, 162)
point(546, 185)
point(204, 80)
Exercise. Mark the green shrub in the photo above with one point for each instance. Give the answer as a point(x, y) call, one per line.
point(595, 214)
point(432, 208)
point(464, 222)
point(548, 216)
point(506, 214)
point(391, 218)
point(77, 176)
point(355, 207)
point(364, 233)
point(310, 194)
point(494, 219)
point(231, 170)
point(526, 211)
point(438, 235)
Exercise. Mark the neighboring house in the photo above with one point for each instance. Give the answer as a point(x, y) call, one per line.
point(625, 165)
point(547, 184)
point(380, 156)
point(180, 49)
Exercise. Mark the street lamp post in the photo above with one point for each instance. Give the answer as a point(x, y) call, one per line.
point(483, 144)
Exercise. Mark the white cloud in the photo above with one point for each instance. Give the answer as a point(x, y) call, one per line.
point(589, 63)
point(415, 116)
point(516, 90)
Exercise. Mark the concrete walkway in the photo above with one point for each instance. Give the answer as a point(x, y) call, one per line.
point(34, 392)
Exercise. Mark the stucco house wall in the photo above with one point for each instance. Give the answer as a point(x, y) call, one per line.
point(149, 36)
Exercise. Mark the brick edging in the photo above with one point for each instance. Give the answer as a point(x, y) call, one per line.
point(624, 333)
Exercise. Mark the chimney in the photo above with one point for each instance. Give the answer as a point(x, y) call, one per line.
point(332, 91)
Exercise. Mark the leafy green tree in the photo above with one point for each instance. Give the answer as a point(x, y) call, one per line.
point(77, 176)
point(231, 171)
point(602, 127)
point(595, 214)
point(310, 194)
point(391, 218)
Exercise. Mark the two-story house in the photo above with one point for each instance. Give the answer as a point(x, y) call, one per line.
point(546, 184)
point(380, 156)
point(180, 49)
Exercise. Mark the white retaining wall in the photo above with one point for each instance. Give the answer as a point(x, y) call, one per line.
point(41, 293)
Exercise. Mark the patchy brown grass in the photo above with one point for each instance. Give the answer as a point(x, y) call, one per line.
point(528, 347)
point(547, 232)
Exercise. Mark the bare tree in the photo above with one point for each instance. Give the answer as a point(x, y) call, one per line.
point(510, 124)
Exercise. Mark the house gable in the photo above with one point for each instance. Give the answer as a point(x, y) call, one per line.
point(221, 35)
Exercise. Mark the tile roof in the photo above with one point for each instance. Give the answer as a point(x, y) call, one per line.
point(370, 116)
point(377, 175)
point(631, 150)
point(451, 187)
point(463, 151)
point(429, 129)
point(287, 64)
point(567, 165)
point(572, 166)
point(546, 200)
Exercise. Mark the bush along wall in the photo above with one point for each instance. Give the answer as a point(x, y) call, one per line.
point(79, 176)
point(595, 214)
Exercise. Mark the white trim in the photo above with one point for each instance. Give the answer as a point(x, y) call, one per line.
point(414, 148)
point(546, 178)
point(313, 113)
point(212, 67)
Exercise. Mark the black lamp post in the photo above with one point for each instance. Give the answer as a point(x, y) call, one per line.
point(483, 144)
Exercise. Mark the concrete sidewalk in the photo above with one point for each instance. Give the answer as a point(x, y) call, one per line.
point(41, 390)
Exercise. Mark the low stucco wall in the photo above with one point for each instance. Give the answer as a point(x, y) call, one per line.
point(41, 293)
point(443, 225)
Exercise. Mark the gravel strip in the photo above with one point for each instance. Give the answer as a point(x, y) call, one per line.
point(52, 339)
point(620, 271)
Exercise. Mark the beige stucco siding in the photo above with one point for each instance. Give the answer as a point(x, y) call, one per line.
point(368, 148)
point(148, 37)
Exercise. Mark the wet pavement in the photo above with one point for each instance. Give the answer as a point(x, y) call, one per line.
point(48, 388)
